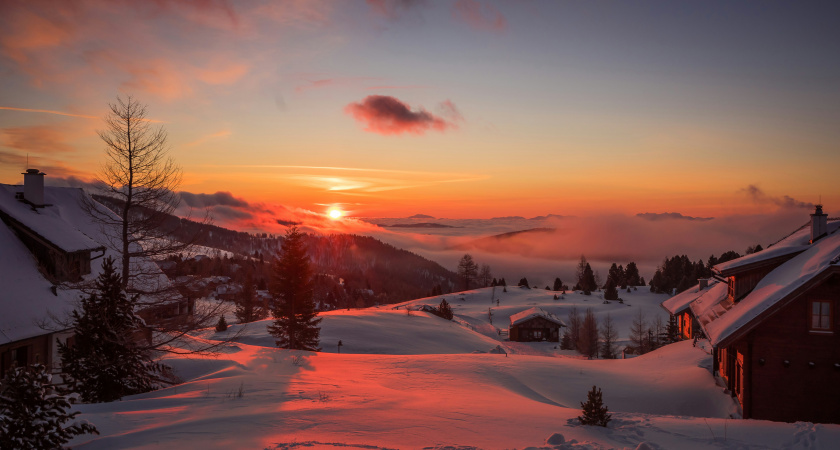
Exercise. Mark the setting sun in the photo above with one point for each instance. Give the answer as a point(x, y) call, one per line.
point(335, 213)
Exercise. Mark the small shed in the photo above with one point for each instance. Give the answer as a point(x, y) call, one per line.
point(535, 324)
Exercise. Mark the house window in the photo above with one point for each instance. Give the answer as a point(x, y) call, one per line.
point(820, 315)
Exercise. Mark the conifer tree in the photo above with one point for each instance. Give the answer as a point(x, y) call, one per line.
point(296, 325)
point(558, 285)
point(222, 324)
point(587, 281)
point(631, 274)
point(445, 311)
point(594, 410)
point(106, 361)
point(33, 412)
point(610, 292)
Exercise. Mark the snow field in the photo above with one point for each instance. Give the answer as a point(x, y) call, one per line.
point(415, 381)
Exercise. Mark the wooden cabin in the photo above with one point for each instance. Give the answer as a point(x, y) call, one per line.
point(776, 335)
point(535, 324)
point(679, 305)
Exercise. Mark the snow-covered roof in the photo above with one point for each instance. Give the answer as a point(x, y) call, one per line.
point(48, 221)
point(712, 304)
point(530, 313)
point(681, 301)
point(776, 287)
point(797, 242)
point(28, 306)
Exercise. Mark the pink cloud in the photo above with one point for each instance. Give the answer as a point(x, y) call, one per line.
point(480, 16)
point(392, 9)
point(387, 115)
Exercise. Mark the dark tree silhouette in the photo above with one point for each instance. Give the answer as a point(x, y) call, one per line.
point(594, 410)
point(296, 325)
point(106, 361)
point(33, 413)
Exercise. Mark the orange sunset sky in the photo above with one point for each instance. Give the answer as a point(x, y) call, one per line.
point(455, 109)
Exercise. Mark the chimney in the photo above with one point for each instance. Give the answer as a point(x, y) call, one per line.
point(33, 187)
point(819, 224)
point(704, 283)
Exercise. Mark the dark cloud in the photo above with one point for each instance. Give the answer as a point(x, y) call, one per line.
point(226, 213)
point(670, 216)
point(209, 200)
point(784, 201)
point(387, 115)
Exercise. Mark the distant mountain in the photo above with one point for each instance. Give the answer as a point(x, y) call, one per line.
point(419, 225)
point(364, 263)
point(489, 241)
point(549, 216)
point(420, 216)
point(508, 218)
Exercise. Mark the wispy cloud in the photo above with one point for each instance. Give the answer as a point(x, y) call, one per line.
point(387, 115)
point(203, 139)
point(670, 216)
point(479, 16)
point(760, 197)
point(48, 111)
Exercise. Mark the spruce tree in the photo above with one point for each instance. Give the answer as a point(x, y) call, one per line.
point(296, 325)
point(594, 411)
point(445, 311)
point(558, 285)
point(33, 412)
point(106, 361)
point(222, 324)
point(610, 292)
point(587, 282)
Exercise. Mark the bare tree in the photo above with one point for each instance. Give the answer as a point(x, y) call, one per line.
point(588, 342)
point(608, 338)
point(484, 275)
point(467, 270)
point(138, 185)
point(638, 333)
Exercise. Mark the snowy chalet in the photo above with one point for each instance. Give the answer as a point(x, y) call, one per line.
point(535, 324)
point(772, 320)
point(48, 246)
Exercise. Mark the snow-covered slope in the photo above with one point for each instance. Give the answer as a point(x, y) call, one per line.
point(413, 381)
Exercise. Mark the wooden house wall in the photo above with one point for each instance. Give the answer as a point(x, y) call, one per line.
point(796, 390)
point(35, 350)
point(521, 332)
point(742, 283)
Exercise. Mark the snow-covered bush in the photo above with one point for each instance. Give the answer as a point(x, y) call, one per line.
point(33, 413)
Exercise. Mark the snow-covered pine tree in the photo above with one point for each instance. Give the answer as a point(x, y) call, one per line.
point(33, 413)
point(594, 411)
point(296, 325)
point(106, 362)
